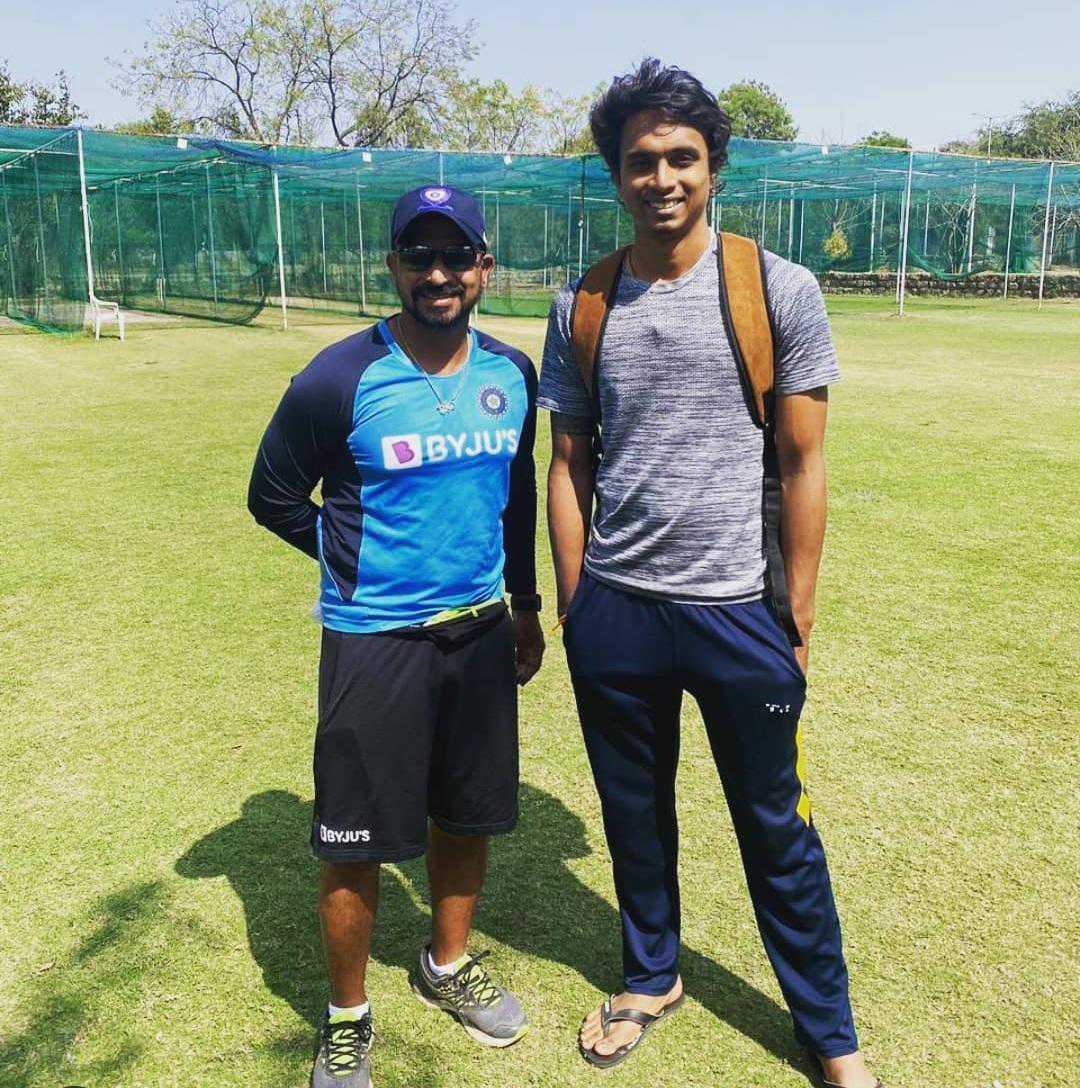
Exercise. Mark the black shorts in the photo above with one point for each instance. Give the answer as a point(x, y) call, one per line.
point(415, 723)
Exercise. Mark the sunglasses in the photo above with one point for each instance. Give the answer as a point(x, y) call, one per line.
point(453, 258)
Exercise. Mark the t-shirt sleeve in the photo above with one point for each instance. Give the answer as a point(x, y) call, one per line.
point(805, 353)
point(561, 388)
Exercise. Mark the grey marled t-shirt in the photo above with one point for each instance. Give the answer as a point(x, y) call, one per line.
point(678, 492)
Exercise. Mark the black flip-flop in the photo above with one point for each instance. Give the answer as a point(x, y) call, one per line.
point(646, 1021)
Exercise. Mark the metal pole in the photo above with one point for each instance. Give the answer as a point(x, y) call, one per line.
point(545, 279)
point(194, 239)
point(1053, 235)
point(764, 203)
point(1046, 233)
point(119, 239)
point(617, 224)
point(926, 227)
point(85, 216)
point(360, 231)
point(581, 223)
point(873, 226)
point(1008, 244)
point(900, 243)
point(280, 252)
point(322, 235)
point(498, 264)
point(161, 245)
point(790, 226)
point(7, 225)
point(907, 226)
point(210, 221)
point(971, 231)
point(802, 226)
point(779, 220)
point(41, 232)
point(569, 213)
point(719, 214)
point(440, 168)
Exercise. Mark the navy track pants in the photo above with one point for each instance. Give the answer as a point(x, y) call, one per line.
point(631, 658)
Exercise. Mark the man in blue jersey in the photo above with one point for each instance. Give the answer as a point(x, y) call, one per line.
point(421, 432)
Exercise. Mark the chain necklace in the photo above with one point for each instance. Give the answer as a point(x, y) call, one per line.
point(444, 406)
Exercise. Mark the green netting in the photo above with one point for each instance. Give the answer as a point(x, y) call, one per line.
point(42, 254)
point(190, 225)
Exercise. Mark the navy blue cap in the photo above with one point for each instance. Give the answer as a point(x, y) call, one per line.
point(457, 205)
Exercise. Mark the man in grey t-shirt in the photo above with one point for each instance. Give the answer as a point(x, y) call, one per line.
point(659, 559)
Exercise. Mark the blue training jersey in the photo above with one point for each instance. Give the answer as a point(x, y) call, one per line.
point(422, 511)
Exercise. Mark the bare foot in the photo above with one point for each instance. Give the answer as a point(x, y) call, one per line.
point(850, 1071)
point(592, 1035)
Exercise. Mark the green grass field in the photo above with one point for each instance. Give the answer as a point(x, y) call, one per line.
point(157, 690)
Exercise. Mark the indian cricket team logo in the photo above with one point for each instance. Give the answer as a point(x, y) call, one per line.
point(402, 451)
point(493, 401)
point(435, 196)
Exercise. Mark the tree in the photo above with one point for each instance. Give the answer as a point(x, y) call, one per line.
point(475, 116)
point(297, 70)
point(1045, 130)
point(567, 122)
point(757, 112)
point(161, 122)
point(36, 103)
point(882, 138)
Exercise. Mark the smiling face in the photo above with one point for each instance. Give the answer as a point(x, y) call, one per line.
point(438, 297)
point(664, 178)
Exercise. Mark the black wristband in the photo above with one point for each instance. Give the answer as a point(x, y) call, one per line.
point(525, 602)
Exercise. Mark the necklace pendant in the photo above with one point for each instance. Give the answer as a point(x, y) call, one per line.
point(446, 407)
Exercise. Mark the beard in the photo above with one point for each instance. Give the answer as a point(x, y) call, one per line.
point(444, 322)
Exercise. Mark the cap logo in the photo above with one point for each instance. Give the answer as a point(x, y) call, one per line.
point(435, 196)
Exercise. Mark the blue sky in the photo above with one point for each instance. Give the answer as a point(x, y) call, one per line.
point(918, 68)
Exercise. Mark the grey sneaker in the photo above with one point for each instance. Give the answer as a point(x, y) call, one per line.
point(490, 1014)
point(341, 1060)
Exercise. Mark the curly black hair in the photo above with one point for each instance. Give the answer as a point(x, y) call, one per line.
point(672, 91)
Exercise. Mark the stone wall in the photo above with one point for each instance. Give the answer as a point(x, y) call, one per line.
point(985, 284)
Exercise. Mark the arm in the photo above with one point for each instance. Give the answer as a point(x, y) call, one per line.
point(800, 436)
point(570, 500)
point(287, 467)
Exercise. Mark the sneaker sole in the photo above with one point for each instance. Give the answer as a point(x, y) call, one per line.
point(473, 1032)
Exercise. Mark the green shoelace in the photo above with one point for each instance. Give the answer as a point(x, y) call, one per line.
point(346, 1044)
point(475, 982)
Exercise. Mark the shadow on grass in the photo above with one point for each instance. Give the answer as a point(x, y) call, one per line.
point(533, 902)
point(106, 967)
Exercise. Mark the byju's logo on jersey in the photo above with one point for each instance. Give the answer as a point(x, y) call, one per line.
point(493, 401)
point(402, 451)
point(411, 451)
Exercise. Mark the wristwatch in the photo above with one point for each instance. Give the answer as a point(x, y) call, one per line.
point(524, 602)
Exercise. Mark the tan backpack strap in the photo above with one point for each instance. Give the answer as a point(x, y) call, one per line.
point(746, 314)
point(588, 317)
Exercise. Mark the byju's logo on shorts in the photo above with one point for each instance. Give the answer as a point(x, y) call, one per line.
point(493, 401)
point(402, 451)
point(333, 837)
